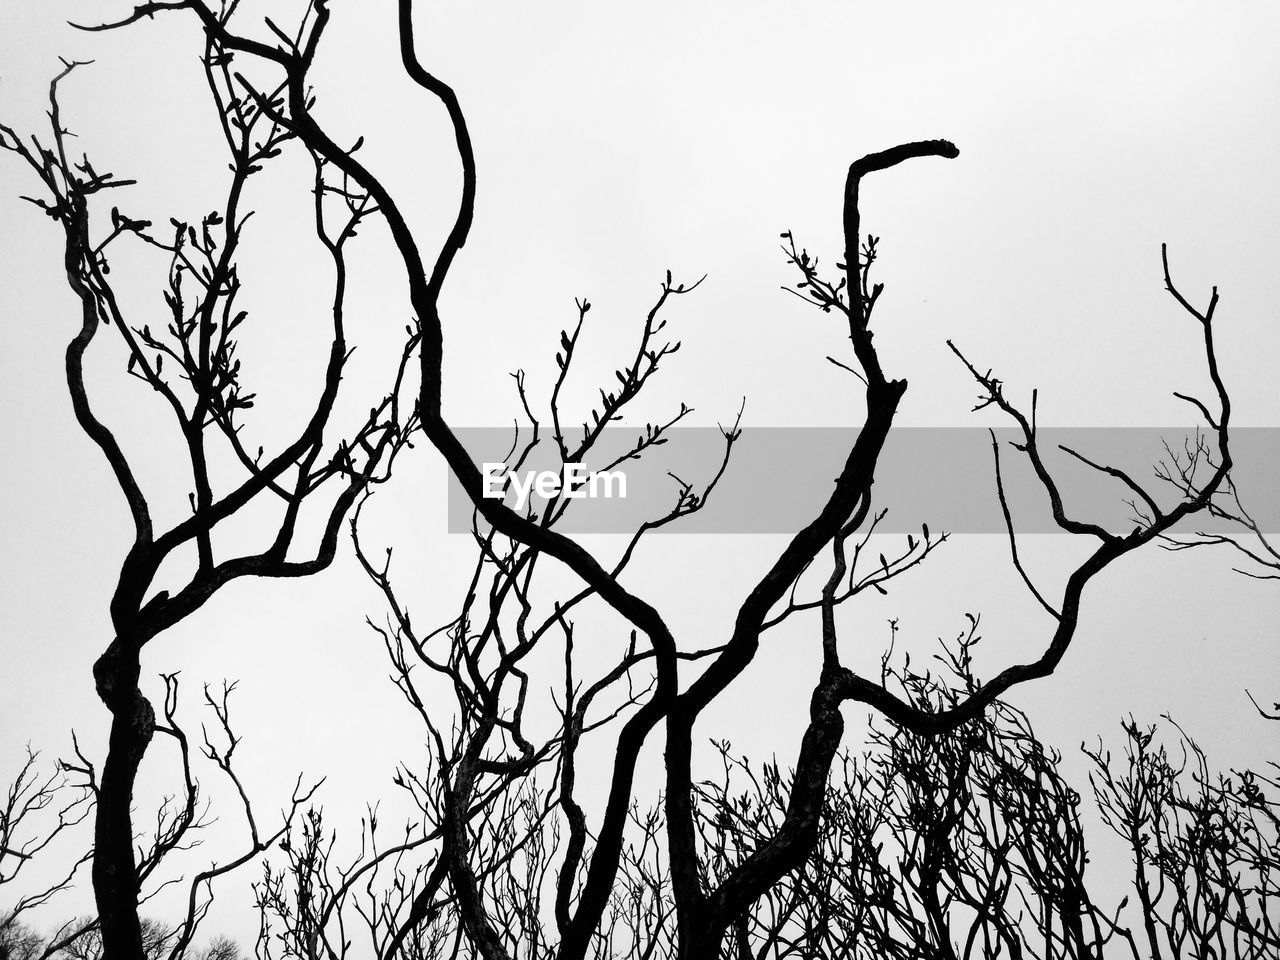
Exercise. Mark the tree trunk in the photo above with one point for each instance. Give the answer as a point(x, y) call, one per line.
point(115, 872)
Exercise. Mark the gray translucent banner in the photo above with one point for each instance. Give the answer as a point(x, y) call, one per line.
point(779, 477)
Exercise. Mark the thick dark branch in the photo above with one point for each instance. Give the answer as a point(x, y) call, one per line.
point(853, 486)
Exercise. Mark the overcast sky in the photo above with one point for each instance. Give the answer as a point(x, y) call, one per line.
point(612, 144)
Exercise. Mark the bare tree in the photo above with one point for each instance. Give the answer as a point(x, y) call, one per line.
point(157, 944)
point(488, 826)
point(193, 367)
point(488, 749)
point(38, 807)
point(972, 844)
point(1002, 845)
point(1205, 845)
point(960, 845)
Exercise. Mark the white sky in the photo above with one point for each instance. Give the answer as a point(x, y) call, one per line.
point(613, 144)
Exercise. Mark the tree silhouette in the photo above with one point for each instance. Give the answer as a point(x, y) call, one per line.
point(42, 807)
point(20, 942)
point(501, 825)
point(204, 388)
point(38, 807)
point(972, 844)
